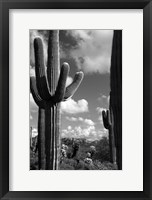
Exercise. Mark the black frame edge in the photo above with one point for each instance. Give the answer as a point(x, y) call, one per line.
point(147, 20)
point(5, 103)
point(4, 100)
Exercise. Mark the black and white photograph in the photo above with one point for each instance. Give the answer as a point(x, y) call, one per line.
point(75, 99)
point(76, 95)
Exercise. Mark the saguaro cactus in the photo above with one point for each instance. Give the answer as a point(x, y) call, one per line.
point(75, 147)
point(50, 89)
point(116, 92)
point(41, 123)
point(109, 124)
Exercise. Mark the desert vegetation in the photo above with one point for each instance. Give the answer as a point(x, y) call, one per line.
point(79, 154)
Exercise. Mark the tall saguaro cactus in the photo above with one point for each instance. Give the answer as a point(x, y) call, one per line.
point(48, 90)
point(41, 123)
point(109, 125)
point(116, 92)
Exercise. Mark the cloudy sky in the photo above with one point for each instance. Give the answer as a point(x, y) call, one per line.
point(89, 51)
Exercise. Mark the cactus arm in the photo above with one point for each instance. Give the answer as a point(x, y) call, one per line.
point(36, 97)
point(109, 124)
point(60, 91)
point(105, 119)
point(53, 64)
point(71, 89)
point(41, 81)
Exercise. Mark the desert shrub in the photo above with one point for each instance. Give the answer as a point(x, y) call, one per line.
point(84, 166)
point(65, 166)
point(102, 150)
point(99, 154)
point(69, 162)
point(33, 161)
point(80, 165)
point(104, 166)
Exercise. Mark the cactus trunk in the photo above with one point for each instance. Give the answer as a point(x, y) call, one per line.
point(112, 146)
point(52, 136)
point(116, 92)
point(52, 114)
point(41, 139)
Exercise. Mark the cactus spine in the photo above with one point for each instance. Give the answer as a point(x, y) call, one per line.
point(116, 92)
point(108, 124)
point(48, 90)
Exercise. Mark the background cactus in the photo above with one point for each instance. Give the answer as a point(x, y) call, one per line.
point(109, 124)
point(48, 90)
point(116, 92)
point(75, 147)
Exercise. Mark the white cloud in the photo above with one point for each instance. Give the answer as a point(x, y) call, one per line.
point(69, 127)
point(93, 51)
point(78, 132)
point(33, 106)
point(80, 119)
point(72, 119)
point(34, 132)
point(88, 132)
point(73, 107)
point(69, 81)
point(103, 98)
point(99, 111)
point(104, 101)
point(79, 34)
point(89, 122)
point(100, 119)
point(32, 71)
point(31, 99)
point(70, 106)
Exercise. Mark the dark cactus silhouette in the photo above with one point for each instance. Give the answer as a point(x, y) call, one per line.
point(116, 92)
point(109, 124)
point(41, 122)
point(48, 90)
point(75, 147)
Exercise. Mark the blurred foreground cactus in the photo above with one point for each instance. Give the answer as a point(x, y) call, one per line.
point(112, 118)
point(109, 125)
point(116, 92)
point(48, 90)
